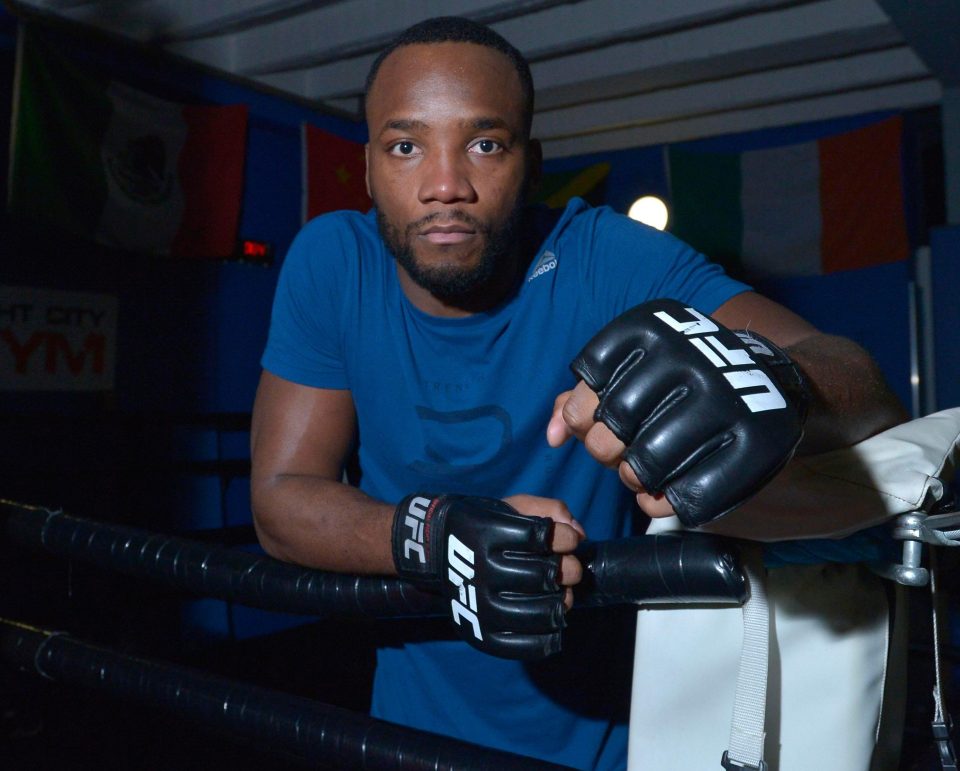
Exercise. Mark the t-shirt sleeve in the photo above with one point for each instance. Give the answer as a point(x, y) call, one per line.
point(632, 263)
point(304, 344)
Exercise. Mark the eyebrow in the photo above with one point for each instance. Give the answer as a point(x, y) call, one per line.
point(489, 123)
point(411, 124)
point(405, 124)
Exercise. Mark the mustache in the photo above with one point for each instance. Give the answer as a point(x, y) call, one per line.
point(444, 218)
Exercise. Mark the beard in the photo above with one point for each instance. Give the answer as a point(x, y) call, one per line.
point(450, 282)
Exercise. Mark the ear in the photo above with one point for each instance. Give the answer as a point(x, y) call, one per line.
point(366, 173)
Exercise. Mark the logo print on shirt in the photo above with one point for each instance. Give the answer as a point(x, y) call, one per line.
point(480, 434)
point(546, 263)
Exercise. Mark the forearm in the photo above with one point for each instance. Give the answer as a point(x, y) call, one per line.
point(799, 503)
point(850, 399)
point(323, 524)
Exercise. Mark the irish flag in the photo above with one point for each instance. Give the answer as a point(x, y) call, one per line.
point(97, 157)
point(800, 209)
point(334, 173)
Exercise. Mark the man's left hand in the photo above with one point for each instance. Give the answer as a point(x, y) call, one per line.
point(684, 407)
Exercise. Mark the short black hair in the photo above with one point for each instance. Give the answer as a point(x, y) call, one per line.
point(457, 29)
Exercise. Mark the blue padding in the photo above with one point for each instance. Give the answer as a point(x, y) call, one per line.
point(872, 545)
point(870, 306)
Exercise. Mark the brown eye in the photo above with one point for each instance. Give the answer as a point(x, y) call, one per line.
point(403, 148)
point(486, 147)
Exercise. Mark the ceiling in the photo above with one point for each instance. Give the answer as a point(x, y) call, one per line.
point(610, 74)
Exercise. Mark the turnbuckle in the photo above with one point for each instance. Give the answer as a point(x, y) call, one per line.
point(915, 529)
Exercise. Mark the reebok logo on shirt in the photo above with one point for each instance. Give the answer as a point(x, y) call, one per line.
point(546, 263)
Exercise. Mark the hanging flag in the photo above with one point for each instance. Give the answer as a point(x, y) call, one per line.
point(334, 173)
point(556, 188)
point(801, 209)
point(99, 158)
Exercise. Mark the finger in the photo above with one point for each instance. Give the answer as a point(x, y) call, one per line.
point(558, 431)
point(568, 598)
point(603, 445)
point(652, 505)
point(538, 506)
point(579, 409)
point(629, 477)
point(655, 506)
point(565, 538)
point(571, 571)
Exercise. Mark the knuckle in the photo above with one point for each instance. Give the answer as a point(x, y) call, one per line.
point(572, 571)
point(602, 444)
point(573, 413)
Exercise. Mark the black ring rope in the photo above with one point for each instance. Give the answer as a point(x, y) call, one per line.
point(659, 569)
point(299, 729)
point(213, 571)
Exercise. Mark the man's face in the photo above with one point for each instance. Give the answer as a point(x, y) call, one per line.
point(447, 162)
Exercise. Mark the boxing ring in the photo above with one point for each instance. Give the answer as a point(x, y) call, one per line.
point(667, 569)
point(900, 477)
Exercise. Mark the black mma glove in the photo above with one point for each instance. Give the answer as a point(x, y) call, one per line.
point(708, 415)
point(494, 564)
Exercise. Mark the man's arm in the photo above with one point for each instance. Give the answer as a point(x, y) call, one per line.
point(303, 513)
point(505, 567)
point(850, 400)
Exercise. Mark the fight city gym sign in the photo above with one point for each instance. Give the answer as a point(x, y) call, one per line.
point(52, 340)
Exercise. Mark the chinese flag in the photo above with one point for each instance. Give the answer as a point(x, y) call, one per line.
point(333, 173)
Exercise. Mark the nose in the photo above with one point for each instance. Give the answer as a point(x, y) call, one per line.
point(446, 179)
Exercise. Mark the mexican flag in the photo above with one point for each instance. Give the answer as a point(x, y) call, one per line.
point(96, 157)
point(800, 209)
point(334, 173)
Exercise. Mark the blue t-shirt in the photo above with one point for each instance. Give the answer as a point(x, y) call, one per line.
point(461, 405)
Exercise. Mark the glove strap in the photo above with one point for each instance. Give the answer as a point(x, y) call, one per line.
point(416, 554)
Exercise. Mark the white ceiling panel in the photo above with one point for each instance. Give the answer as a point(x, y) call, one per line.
point(610, 74)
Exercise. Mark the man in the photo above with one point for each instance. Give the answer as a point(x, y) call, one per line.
point(432, 336)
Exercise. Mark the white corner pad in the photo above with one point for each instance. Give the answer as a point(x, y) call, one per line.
point(835, 493)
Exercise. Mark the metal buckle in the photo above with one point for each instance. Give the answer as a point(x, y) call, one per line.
point(736, 765)
point(941, 736)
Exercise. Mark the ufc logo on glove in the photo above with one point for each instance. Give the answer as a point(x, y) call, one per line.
point(413, 520)
point(699, 333)
point(460, 570)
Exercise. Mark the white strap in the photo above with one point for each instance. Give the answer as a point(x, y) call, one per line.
point(750, 702)
point(942, 725)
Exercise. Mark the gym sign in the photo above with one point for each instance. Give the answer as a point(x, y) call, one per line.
point(53, 340)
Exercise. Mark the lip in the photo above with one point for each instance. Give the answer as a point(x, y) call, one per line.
point(447, 234)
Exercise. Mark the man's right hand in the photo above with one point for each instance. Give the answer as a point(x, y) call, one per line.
point(505, 573)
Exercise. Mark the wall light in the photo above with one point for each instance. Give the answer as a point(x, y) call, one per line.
point(651, 211)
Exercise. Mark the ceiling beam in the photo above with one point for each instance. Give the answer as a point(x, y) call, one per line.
point(830, 76)
point(897, 97)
